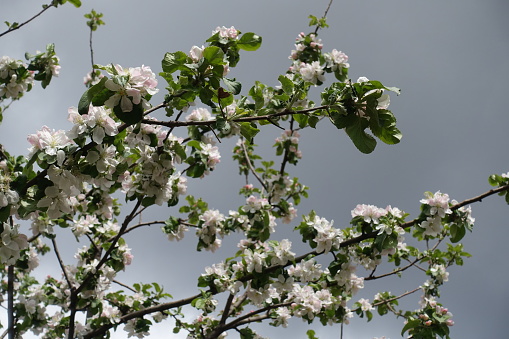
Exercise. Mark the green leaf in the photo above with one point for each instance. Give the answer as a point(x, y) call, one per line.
point(174, 61)
point(5, 212)
point(100, 98)
point(248, 131)
point(131, 117)
point(286, 84)
point(88, 96)
point(194, 143)
point(76, 3)
point(311, 334)
point(340, 118)
point(409, 325)
point(249, 42)
point(232, 86)
point(213, 55)
point(302, 119)
point(363, 141)
point(457, 232)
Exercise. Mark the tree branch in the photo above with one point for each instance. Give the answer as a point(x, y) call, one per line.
point(250, 165)
point(11, 29)
point(138, 314)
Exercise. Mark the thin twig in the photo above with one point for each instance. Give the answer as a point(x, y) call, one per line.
point(148, 223)
point(97, 333)
point(371, 277)
point(61, 263)
point(250, 165)
point(324, 15)
point(10, 301)
point(11, 29)
point(287, 151)
point(386, 301)
point(226, 311)
point(124, 285)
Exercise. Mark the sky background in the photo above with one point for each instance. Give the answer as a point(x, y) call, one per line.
point(448, 57)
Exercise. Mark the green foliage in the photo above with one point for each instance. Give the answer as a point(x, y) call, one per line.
point(94, 20)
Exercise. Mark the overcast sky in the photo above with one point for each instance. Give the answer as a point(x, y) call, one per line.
point(448, 57)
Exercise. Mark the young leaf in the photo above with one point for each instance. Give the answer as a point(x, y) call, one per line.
point(363, 141)
point(249, 42)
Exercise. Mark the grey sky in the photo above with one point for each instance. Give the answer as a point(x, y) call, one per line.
point(448, 57)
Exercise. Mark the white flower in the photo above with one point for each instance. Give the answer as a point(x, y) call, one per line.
point(312, 72)
point(196, 53)
point(432, 226)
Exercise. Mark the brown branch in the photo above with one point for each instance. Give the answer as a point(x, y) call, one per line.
point(11, 29)
point(250, 165)
point(61, 263)
point(245, 319)
point(396, 298)
point(226, 311)
point(287, 151)
point(393, 272)
point(240, 119)
point(324, 15)
point(75, 292)
point(97, 333)
point(148, 223)
point(124, 285)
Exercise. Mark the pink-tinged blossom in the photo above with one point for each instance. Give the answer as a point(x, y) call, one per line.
point(439, 272)
point(112, 313)
point(365, 305)
point(283, 315)
point(336, 60)
point(127, 257)
point(196, 53)
point(282, 253)
point(49, 141)
point(143, 79)
point(212, 218)
point(439, 203)
point(370, 213)
point(12, 244)
point(432, 226)
point(16, 86)
point(306, 271)
point(292, 213)
point(312, 72)
point(394, 211)
point(225, 32)
point(382, 228)
point(89, 80)
point(255, 261)
point(7, 196)
point(56, 201)
point(254, 204)
point(212, 153)
point(130, 328)
point(131, 87)
point(122, 94)
point(177, 234)
point(199, 114)
point(84, 225)
point(327, 237)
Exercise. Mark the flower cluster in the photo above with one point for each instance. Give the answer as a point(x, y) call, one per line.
point(12, 244)
point(97, 122)
point(7, 195)
point(435, 207)
point(130, 86)
point(226, 33)
point(15, 78)
point(311, 64)
point(289, 142)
